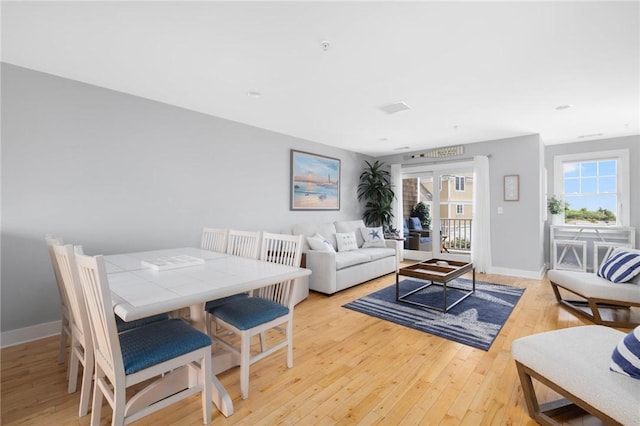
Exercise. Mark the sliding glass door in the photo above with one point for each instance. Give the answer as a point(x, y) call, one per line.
point(445, 192)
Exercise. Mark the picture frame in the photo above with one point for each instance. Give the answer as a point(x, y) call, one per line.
point(314, 182)
point(512, 188)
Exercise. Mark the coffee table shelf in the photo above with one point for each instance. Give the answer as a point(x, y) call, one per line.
point(437, 272)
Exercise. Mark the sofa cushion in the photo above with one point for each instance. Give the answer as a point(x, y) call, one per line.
point(346, 241)
point(345, 259)
point(373, 237)
point(351, 226)
point(376, 253)
point(626, 356)
point(621, 266)
point(318, 242)
point(328, 230)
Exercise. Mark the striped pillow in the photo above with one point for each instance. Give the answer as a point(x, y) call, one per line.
point(625, 358)
point(620, 267)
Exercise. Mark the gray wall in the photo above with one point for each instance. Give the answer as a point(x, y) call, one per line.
point(120, 173)
point(517, 234)
point(630, 142)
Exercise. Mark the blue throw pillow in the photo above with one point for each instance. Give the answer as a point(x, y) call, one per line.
point(620, 267)
point(625, 358)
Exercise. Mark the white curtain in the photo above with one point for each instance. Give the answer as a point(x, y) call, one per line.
point(396, 206)
point(481, 224)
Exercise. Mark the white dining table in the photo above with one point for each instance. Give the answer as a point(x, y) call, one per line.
point(139, 290)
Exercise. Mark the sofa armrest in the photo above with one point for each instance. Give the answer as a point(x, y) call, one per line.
point(323, 267)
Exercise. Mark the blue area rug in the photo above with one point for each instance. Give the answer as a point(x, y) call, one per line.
point(476, 321)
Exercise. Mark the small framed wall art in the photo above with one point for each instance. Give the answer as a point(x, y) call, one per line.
point(512, 188)
point(315, 182)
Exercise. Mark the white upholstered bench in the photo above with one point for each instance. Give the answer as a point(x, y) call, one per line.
point(602, 301)
point(575, 363)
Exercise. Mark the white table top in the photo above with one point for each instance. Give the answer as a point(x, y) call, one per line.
point(139, 292)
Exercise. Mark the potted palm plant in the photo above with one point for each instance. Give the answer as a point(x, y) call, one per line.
point(375, 190)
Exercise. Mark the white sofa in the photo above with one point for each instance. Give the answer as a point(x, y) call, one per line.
point(335, 271)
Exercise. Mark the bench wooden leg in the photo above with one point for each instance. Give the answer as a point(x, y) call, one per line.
point(543, 413)
point(602, 312)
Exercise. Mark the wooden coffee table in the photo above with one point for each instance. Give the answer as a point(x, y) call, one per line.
point(437, 272)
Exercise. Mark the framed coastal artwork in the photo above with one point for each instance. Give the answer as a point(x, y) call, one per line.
point(315, 182)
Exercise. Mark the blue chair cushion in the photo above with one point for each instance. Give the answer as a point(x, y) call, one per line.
point(157, 342)
point(414, 223)
point(249, 312)
point(213, 304)
point(130, 325)
point(425, 239)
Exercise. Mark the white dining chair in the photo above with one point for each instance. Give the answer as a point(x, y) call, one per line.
point(65, 330)
point(132, 357)
point(81, 348)
point(239, 243)
point(243, 243)
point(214, 239)
point(267, 308)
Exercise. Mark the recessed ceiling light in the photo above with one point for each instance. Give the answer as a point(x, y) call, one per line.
point(253, 94)
point(593, 135)
point(566, 106)
point(402, 148)
point(383, 139)
point(395, 107)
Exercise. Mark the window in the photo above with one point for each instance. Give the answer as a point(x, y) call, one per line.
point(594, 186)
point(460, 183)
point(459, 208)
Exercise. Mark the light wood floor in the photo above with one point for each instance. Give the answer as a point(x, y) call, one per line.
point(349, 368)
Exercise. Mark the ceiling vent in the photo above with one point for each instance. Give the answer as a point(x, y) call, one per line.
point(449, 151)
point(395, 107)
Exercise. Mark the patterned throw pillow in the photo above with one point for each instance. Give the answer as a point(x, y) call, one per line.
point(373, 237)
point(620, 267)
point(625, 358)
point(320, 243)
point(346, 241)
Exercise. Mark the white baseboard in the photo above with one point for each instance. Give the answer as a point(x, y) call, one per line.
point(534, 275)
point(29, 334)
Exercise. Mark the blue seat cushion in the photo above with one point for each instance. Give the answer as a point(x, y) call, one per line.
point(212, 304)
point(249, 312)
point(130, 325)
point(414, 223)
point(157, 342)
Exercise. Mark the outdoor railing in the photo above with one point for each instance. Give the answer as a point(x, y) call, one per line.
point(458, 232)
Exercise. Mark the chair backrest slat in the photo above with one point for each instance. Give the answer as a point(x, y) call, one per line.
point(214, 239)
point(284, 250)
point(243, 243)
point(79, 319)
point(51, 243)
point(93, 278)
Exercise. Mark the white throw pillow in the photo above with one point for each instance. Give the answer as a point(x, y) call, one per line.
point(346, 241)
point(373, 237)
point(320, 243)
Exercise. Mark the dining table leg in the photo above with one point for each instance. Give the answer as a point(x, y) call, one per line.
point(220, 396)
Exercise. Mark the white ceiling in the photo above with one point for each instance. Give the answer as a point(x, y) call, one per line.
point(470, 71)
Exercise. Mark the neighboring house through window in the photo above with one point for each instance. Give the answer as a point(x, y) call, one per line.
point(460, 183)
point(459, 208)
